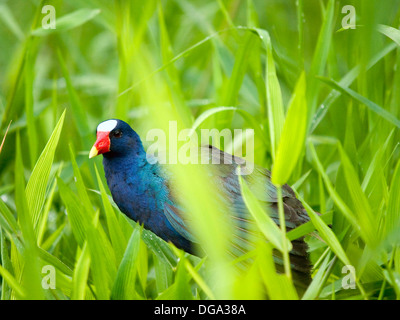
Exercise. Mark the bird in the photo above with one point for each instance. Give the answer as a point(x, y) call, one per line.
point(144, 191)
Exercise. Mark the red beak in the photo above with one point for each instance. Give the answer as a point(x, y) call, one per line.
point(102, 144)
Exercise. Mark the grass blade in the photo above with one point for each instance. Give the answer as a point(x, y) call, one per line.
point(361, 99)
point(36, 187)
point(4, 138)
point(390, 32)
point(293, 135)
point(81, 274)
point(124, 285)
point(117, 237)
point(264, 222)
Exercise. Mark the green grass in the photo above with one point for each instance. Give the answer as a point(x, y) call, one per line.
point(324, 104)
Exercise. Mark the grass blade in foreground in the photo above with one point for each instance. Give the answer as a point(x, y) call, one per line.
point(264, 222)
point(278, 286)
point(124, 285)
point(293, 135)
point(289, 149)
point(36, 187)
point(276, 114)
point(30, 271)
point(4, 138)
point(390, 32)
point(81, 274)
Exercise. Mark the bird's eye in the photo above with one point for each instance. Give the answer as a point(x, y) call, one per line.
point(117, 133)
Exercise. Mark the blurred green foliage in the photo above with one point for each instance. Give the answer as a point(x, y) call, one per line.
point(323, 102)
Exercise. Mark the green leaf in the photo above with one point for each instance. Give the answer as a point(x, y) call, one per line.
point(276, 113)
point(173, 75)
point(392, 219)
point(163, 274)
point(81, 188)
point(12, 282)
point(80, 276)
point(293, 135)
point(371, 105)
point(6, 264)
point(320, 56)
point(117, 236)
point(278, 286)
point(231, 90)
point(390, 32)
point(326, 233)
point(180, 289)
point(264, 222)
point(4, 138)
point(346, 81)
point(102, 270)
point(252, 17)
point(318, 279)
point(79, 220)
point(46, 210)
point(37, 184)
point(31, 276)
point(7, 220)
point(362, 207)
point(333, 193)
point(8, 18)
point(54, 261)
point(124, 285)
point(77, 108)
point(308, 227)
point(159, 247)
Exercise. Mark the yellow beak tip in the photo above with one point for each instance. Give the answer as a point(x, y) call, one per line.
point(93, 152)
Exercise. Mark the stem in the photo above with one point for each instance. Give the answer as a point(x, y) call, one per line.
point(282, 223)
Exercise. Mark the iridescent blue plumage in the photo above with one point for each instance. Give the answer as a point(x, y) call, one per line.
point(145, 193)
point(138, 188)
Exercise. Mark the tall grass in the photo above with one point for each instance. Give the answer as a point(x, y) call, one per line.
point(323, 102)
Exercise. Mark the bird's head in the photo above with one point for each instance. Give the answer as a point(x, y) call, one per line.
point(114, 137)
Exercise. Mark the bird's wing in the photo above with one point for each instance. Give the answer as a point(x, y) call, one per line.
point(223, 172)
point(175, 217)
point(245, 232)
